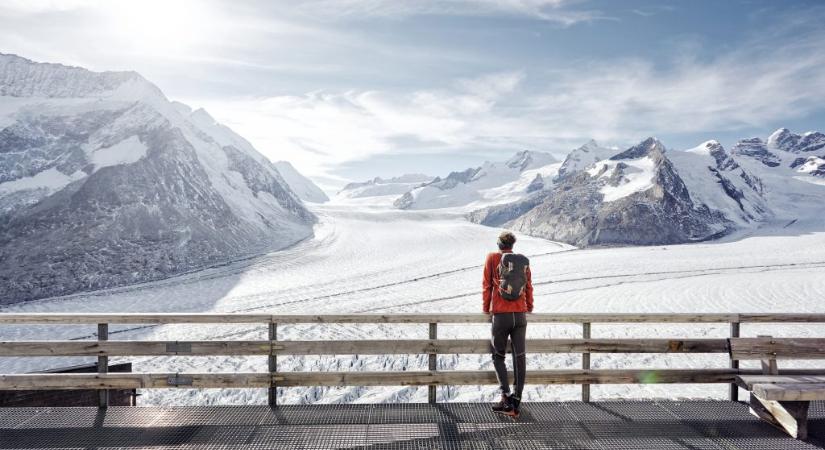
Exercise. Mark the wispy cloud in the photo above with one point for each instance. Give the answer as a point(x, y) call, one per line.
point(397, 82)
point(565, 12)
point(321, 130)
point(615, 101)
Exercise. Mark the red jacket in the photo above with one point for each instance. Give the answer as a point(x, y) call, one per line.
point(492, 301)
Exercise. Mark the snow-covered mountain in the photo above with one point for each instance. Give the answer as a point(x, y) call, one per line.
point(378, 186)
point(647, 195)
point(492, 183)
point(105, 182)
point(302, 186)
point(804, 153)
point(583, 157)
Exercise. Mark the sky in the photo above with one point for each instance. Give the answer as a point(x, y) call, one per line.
point(353, 89)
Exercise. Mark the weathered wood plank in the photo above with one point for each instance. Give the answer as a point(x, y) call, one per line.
point(488, 377)
point(131, 318)
point(765, 348)
point(161, 318)
point(790, 391)
point(134, 348)
point(51, 381)
point(790, 417)
point(781, 317)
point(748, 381)
point(356, 347)
point(482, 318)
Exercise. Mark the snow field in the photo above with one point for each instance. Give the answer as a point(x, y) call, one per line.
point(369, 258)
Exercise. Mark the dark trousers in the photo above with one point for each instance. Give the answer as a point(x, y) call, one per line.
point(514, 327)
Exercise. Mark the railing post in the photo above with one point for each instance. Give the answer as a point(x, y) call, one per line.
point(433, 364)
point(103, 365)
point(272, 393)
point(586, 362)
point(733, 395)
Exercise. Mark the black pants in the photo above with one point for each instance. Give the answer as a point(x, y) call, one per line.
point(513, 326)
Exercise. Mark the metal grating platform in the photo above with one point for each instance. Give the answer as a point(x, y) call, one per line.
point(715, 425)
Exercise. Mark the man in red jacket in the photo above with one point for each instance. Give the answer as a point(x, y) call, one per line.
point(509, 320)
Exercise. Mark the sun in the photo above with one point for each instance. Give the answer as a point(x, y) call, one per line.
point(159, 27)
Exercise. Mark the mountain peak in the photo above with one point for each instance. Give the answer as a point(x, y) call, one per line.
point(200, 115)
point(783, 139)
point(707, 147)
point(649, 146)
point(21, 77)
point(529, 159)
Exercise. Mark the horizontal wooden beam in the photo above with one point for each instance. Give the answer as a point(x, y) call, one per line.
point(356, 347)
point(790, 391)
point(51, 381)
point(134, 348)
point(777, 348)
point(486, 378)
point(748, 381)
point(163, 318)
point(130, 318)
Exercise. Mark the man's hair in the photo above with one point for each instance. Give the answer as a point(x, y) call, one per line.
point(506, 240)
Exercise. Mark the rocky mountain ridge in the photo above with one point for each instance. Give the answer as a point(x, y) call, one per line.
point(105, 182)
point(649, 195)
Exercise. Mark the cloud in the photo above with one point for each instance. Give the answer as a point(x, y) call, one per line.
point(321, 130)
point(773, 78)
point(765, 81)
point(558, 11)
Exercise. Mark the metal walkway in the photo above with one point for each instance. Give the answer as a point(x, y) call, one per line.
point(663, 425)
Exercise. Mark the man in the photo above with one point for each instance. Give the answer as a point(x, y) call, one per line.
point(508, 297)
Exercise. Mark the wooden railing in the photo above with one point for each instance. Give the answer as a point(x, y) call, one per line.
point(103, 348)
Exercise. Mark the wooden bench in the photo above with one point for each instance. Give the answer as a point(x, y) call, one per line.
point(781, 400)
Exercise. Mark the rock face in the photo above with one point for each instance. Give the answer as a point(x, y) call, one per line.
point(104, 182)
point(804, 153)
point(758, 150)
point(636, 197)
point(641, 196)
point(491, 183)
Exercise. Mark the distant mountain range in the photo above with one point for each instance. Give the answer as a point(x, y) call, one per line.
point(105, 182)
point(378, 187)
point(649, 195)
point(642, 195)
point(492, 182)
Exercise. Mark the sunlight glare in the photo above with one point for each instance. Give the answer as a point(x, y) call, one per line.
point(158, 27)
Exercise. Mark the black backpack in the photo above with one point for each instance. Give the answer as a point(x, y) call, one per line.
point(512, 276)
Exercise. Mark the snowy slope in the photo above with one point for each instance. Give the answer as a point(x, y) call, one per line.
point(715, 179)
point(786, 150)
point(429, 261)
point(104, 182)
point(637, 197)
point(642, 196)
point(302, 186)
point(378, 187)
point(492, 183)
point(584, 157)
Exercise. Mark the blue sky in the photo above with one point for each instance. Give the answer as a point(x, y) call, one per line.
point(351, 89)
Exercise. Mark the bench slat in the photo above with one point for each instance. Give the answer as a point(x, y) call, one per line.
point(748, 381)
point(790, 391)
point(777, 348)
